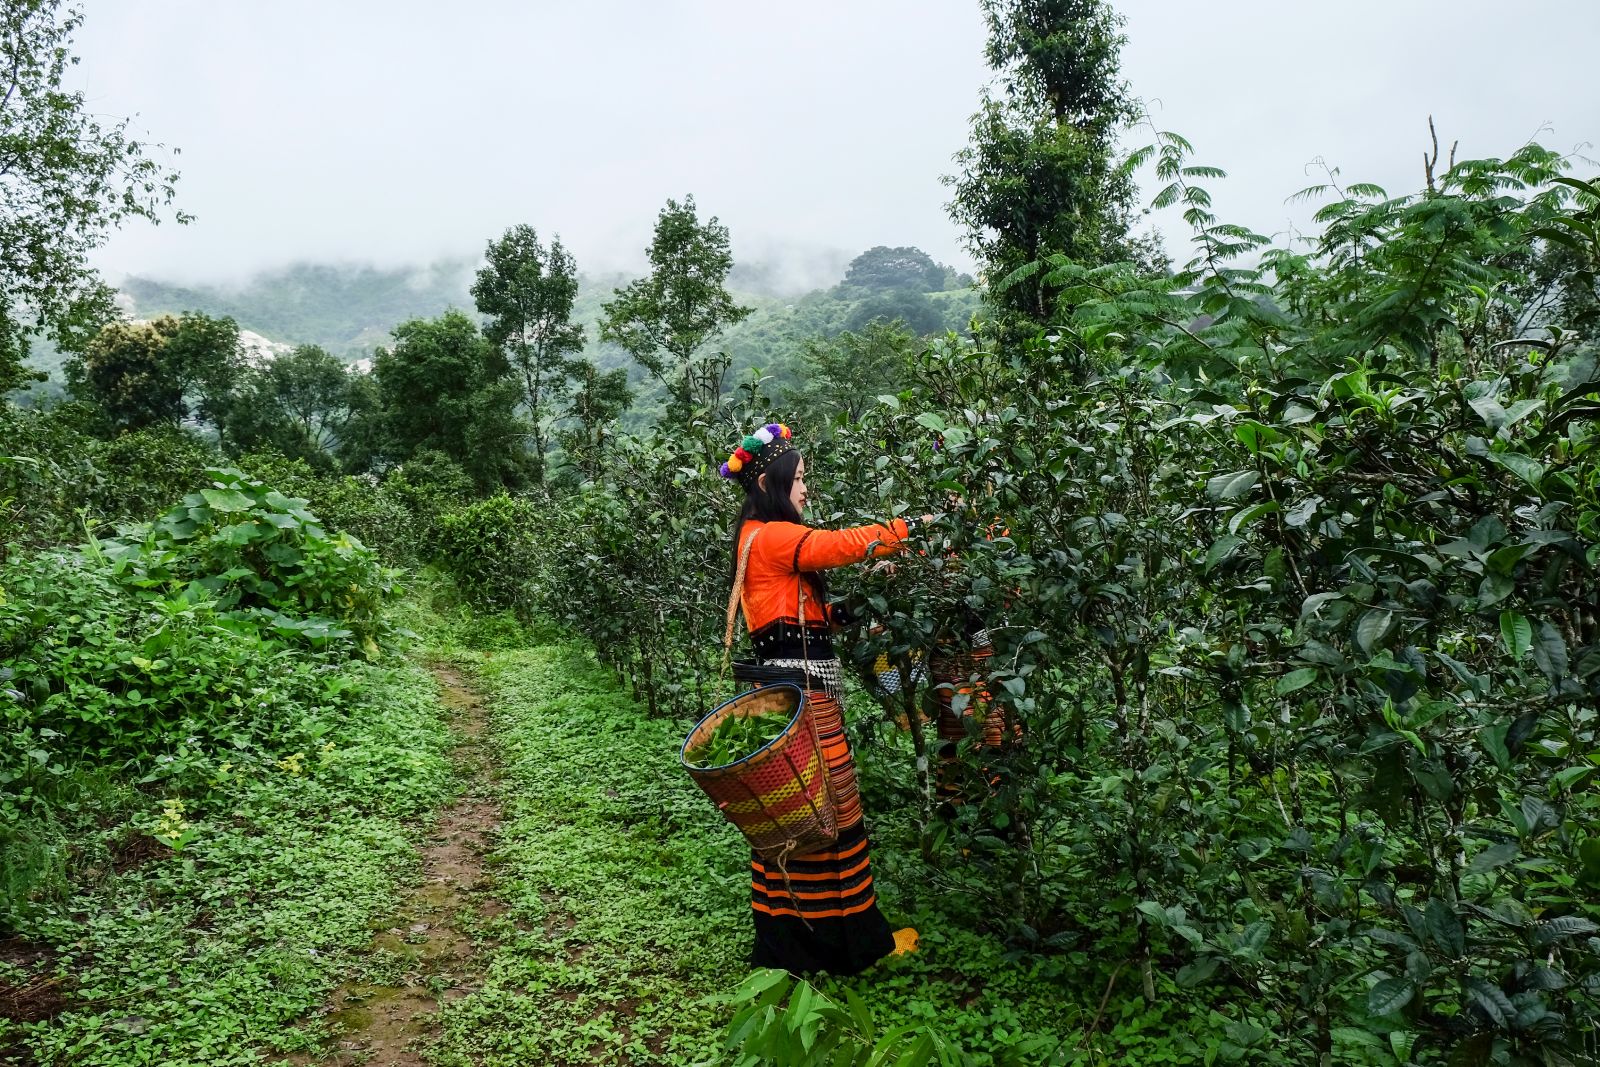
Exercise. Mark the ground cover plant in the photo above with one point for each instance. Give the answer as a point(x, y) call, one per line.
point(220, 908)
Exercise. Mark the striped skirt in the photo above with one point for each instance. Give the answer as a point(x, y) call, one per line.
point(818, 911)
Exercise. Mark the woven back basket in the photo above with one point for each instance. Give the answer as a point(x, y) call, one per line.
point(778, 796)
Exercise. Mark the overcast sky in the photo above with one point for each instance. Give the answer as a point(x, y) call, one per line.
point(394, 131)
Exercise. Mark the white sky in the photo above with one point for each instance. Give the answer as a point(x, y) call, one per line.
point(400, 131)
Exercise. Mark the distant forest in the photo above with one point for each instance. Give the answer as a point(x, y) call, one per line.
point(350, 310)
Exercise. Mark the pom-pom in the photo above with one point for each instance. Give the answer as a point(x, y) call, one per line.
point(785, 429)
point(735, 464)
point(743, 455)
point(751, 443)
point(725, 470)
point(775, 429)
point(763, 435)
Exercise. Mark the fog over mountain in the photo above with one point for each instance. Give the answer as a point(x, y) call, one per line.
point(406, 133)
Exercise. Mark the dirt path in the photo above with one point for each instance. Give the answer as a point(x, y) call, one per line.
point(425, 953)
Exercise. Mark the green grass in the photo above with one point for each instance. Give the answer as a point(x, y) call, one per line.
point(215, 955)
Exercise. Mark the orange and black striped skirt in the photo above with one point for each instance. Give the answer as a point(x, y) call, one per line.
point(818, 911)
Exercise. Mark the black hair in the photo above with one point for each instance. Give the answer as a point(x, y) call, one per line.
point(772, 504)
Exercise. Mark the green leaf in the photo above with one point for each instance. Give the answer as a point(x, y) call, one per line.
point(1492, 999)
point(1494, 856)
point(1193, 974)
point(1525, 467)
point(1375, 626)
point(1390, 995)
point(1231, 486)
point(1296, 680)
point(1245, 516)
point(1490, 411)
point(1562, 928)
point(1516, 632)
point(1224, 547)
point(1550, 653)
point(1445, 928)
point(226, 500)
point(757, 983)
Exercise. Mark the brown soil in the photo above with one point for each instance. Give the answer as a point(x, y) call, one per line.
point(137, 850)
point(38, 996)
point(426, 949)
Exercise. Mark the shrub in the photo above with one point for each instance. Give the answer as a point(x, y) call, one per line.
point(376, 513)
point(488, 547)
point(144, 471)
point(260, 556)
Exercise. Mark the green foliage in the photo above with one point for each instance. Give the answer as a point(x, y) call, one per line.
point(810, 1030)
point(389, 516)
point(736, 737)
point(882, 267)
point(57, 477)
point(304, 405)
point(526, 291)
point(259, 558)
point(219, 953)
point(141, 473)
point(144, 374)
point(489, 547)
point(845, 374)
point(68, 181)
point(1039, 175)
point(664, 319)
point(444, 388)
point(598, 402)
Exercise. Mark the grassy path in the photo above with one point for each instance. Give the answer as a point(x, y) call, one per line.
point(624, 891)
point(214, 955)
point(427, 950)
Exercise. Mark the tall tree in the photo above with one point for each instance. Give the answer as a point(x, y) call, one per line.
point(444, 388)
point(664, 319)
point(139, 374)
point(527, 291)
point(600, 399)
point(1040, 176)
point(301, 405)
point(66, 180)
point(895, 268)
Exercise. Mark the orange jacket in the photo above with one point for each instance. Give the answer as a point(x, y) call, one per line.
point(772, 582)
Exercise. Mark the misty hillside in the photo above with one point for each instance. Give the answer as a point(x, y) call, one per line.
point(349, 311)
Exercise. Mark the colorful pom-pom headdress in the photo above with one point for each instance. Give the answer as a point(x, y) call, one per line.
point(756, 453)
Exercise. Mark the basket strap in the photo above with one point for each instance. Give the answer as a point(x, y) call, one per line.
point(735, 595)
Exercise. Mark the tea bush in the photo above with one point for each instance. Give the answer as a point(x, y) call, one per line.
point(488, 547)
point(1286, 558)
